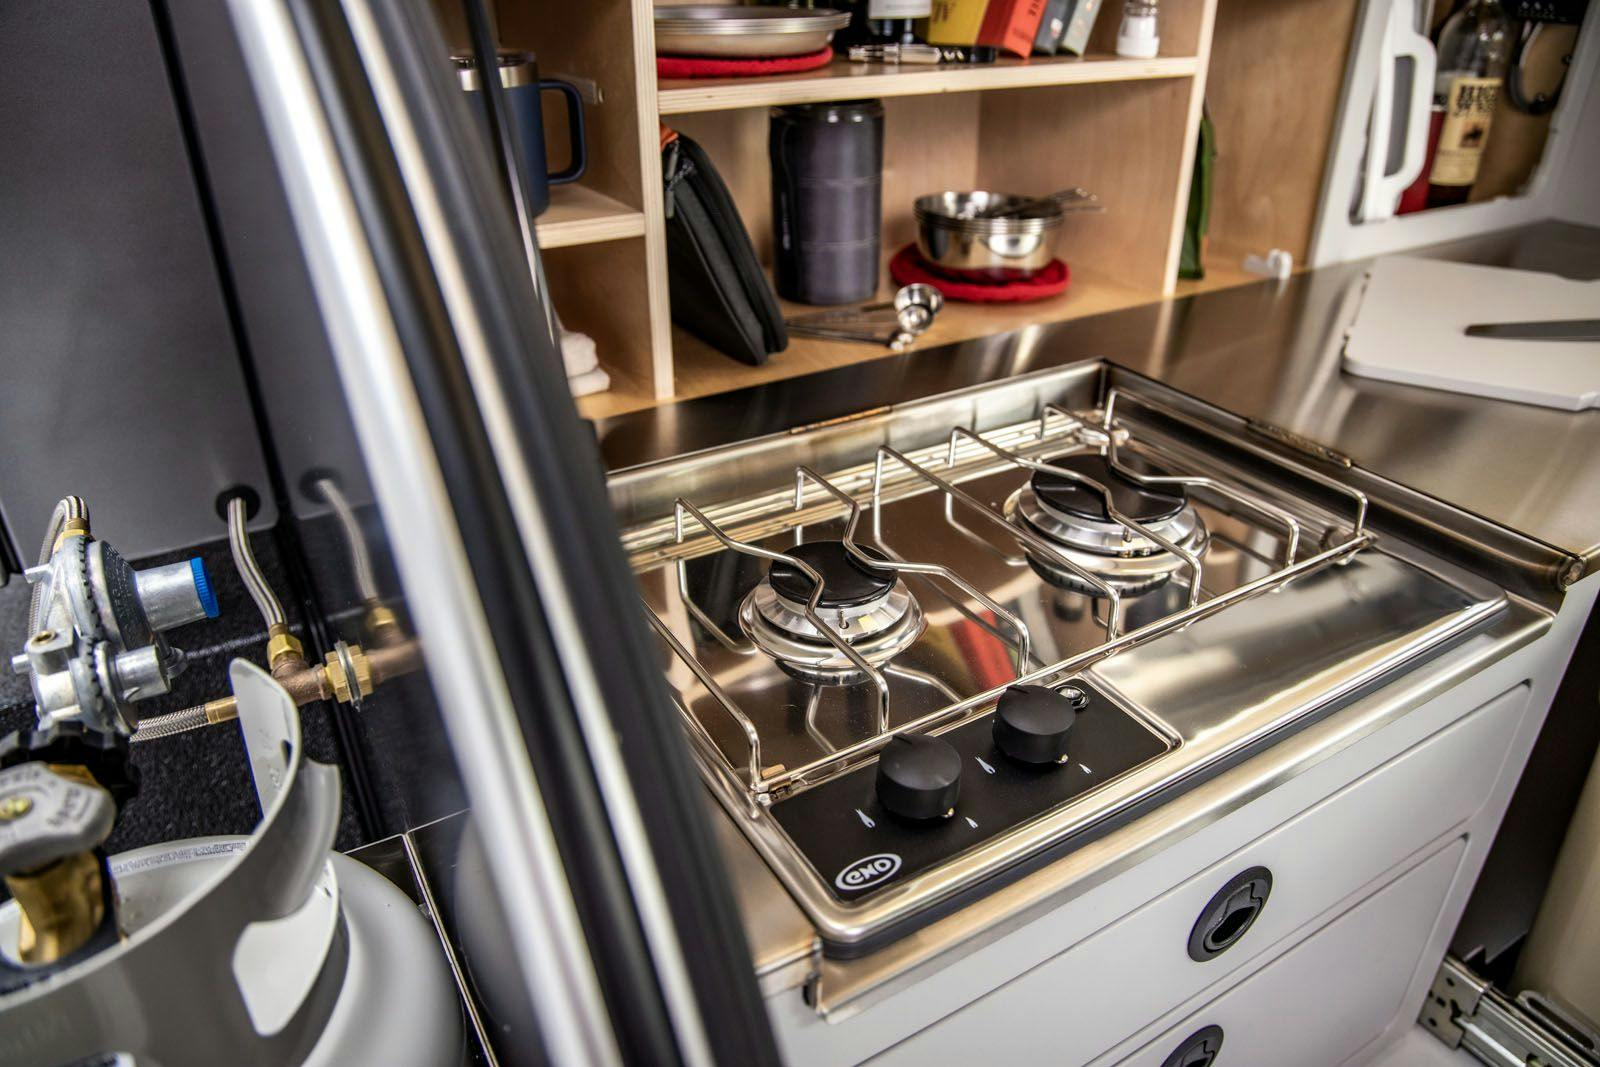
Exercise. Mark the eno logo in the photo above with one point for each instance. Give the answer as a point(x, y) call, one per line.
point(868, 871)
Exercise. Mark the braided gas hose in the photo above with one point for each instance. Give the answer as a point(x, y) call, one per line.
point(177, 722)
point(355, 541)
point(249, 571)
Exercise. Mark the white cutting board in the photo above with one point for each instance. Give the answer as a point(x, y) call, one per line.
point(1410, 327)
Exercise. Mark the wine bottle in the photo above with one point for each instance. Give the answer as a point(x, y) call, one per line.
point(1474, 51)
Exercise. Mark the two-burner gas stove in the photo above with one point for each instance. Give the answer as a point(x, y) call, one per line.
point(914, 652)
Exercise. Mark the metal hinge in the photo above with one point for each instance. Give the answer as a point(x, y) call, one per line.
point(1299, 443)
point(1466, 1012)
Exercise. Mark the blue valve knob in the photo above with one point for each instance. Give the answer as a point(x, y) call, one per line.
point(202, 588)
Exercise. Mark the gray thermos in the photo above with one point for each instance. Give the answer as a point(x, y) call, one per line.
point(827, 199)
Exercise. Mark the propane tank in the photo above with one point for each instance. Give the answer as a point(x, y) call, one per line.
point(268, 949)
point(258, 950)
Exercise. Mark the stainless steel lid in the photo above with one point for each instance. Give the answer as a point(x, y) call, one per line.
point(516, 69)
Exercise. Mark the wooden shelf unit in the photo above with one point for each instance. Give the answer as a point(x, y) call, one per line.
point(1124, 128)
point(844, 80)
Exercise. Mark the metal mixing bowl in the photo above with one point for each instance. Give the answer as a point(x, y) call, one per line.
point(1013, 248)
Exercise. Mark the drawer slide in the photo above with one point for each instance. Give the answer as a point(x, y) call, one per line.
point(1466, 1012)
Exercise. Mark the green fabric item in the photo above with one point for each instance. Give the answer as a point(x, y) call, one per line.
point(1199, 219)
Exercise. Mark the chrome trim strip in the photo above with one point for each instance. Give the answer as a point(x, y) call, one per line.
point(456, 642)
point(559, 598)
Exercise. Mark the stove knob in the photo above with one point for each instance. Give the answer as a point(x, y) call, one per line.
point(1032, 722)
point(919, 777)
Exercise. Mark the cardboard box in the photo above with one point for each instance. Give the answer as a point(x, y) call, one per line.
point(1080, 22)
point(956, 21)
point(1012, 25)
point(1051, 28)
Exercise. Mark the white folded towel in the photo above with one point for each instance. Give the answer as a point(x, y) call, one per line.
point(578, 352)
point(595, 381)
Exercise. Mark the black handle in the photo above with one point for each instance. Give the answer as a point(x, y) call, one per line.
point(1229, 914)
point(580, 150)
point(1199, 1049)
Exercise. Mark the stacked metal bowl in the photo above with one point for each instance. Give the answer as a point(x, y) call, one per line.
point(993, 236)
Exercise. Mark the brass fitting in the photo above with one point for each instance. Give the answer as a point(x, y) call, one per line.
point(223, 709)
point(394, 661)
point(72, 528)
point(61, 907)
point(15, 807)
point(384, 625)
point(344, 686)
point(75, 771)
point(284, 650)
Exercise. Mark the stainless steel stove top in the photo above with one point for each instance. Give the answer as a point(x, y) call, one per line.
point(940, 573)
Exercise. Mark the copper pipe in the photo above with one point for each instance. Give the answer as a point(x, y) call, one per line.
point(303, 682)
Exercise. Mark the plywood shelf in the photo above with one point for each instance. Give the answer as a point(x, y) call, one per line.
point(628, 392)
point(1220, 274)
point(843, 80)
point(702, 370)
point(578, 215)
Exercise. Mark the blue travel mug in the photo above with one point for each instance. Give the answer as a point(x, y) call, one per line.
point(519, 77)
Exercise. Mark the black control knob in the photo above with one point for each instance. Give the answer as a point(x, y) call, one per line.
point(1032, 722)
point(919, 777)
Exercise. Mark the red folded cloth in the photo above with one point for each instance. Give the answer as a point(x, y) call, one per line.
point(908, 267)
point(709, 67)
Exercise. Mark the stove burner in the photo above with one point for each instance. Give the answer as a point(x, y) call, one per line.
point(867, 607)
point(1073, 517)
point(1141, 504)
point(846, 581)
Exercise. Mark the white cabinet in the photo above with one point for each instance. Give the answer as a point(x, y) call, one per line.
point(1325, 1000)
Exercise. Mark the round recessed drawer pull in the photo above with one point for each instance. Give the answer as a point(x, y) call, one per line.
point(1229, 914)
point(1199, 1049)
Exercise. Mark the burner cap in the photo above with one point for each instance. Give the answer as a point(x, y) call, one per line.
point(846, 581)
point(1138, 503)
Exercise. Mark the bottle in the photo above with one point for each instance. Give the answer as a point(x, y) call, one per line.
point(882, 22)
point(1138, 36)
point(1474, 51)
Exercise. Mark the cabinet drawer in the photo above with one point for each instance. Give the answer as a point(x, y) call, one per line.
point(1325, 999)
point(1083, 1001)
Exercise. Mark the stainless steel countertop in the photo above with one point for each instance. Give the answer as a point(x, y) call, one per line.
point(1267, 351)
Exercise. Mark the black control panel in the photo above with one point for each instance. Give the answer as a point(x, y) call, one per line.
point(859, 846)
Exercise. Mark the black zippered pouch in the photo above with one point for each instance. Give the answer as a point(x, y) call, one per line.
point(720, 294)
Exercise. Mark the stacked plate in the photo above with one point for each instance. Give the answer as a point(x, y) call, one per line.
point(735, 31)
